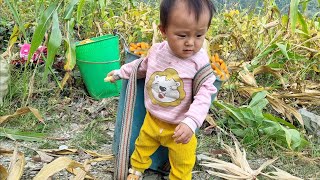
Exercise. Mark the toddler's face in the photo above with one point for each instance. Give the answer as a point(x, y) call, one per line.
point(185, 35)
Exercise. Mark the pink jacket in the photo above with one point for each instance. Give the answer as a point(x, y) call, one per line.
point(168, 86)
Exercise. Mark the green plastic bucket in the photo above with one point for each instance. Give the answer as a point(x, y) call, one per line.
point(95, 58)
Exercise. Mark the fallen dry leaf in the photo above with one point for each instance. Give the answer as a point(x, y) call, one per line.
point(3, 173)
point(44, 157)
point(60, 151)
point(283, 108)
point(21, 111)
point(106, 158)
point(307, 97)
point(56, 166)
point(16, 165)
point(81, 173)
point(211, 121)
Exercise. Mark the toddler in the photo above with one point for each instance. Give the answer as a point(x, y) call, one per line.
point(173, 112)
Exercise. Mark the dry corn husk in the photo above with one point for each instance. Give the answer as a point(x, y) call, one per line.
point(280, 175)
point(247, 77)
point(238, 169)
point(4, 77)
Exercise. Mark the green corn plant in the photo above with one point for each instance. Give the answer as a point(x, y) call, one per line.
point(251, 124)
point(49, 23)
point(17, 18)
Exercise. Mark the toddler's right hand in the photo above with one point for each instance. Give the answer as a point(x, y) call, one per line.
point(110, 77)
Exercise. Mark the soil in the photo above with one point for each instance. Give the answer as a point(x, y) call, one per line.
point(68, 132)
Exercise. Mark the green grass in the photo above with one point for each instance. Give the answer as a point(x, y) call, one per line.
point(91, 137)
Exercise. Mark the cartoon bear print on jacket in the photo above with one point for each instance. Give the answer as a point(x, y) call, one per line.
point(165, 88)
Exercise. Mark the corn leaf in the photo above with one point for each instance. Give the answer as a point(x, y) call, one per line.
point(287, 136)
point(304, 5)
point(257, 99)
point(69, 10)
point(263, 54)
point(40, 7)
point(18, 135)
point(283, 49)
point(17, 17)
point(71, 48)
point(54, 42)
point(14, 35)
point(79, 11)
point(294, 13)
point(41, 28)
point(279, 120)
point(102, 4)
point(231, 111)
point(303, 23)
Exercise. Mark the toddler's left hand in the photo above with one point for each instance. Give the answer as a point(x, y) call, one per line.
point(182, 134)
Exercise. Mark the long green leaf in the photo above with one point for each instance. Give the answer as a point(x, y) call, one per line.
point(294, 13)
point(315, 16)
point(14, 35)
point(69, 10)
point(304, 25)
point(39, 8)
point(257, 98)
point(279, 120)
point(71, 48)
point(54, 42)
point(264, 53)
point(283, 49)
point(41, 28)
point(18, 135)
point(230, 110)
point(79, 11)
point(102, 4)
point(17, 18)
point(304, 6)
point(288, 136)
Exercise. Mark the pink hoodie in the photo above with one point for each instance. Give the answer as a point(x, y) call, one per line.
point(168, 87)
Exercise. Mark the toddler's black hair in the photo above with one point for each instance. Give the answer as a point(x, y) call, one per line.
point(195, 6)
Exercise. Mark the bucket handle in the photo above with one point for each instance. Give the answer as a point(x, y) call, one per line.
point(122, 39)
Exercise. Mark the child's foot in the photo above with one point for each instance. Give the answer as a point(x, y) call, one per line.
point(134, 175)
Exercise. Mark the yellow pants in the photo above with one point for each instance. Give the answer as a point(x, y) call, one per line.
point(154, 133)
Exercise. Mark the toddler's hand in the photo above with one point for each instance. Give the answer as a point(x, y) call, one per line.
point(110, 77)
point(182, 134)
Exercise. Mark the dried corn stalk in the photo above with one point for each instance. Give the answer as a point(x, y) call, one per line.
point(4, 77)
point(238, 169)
